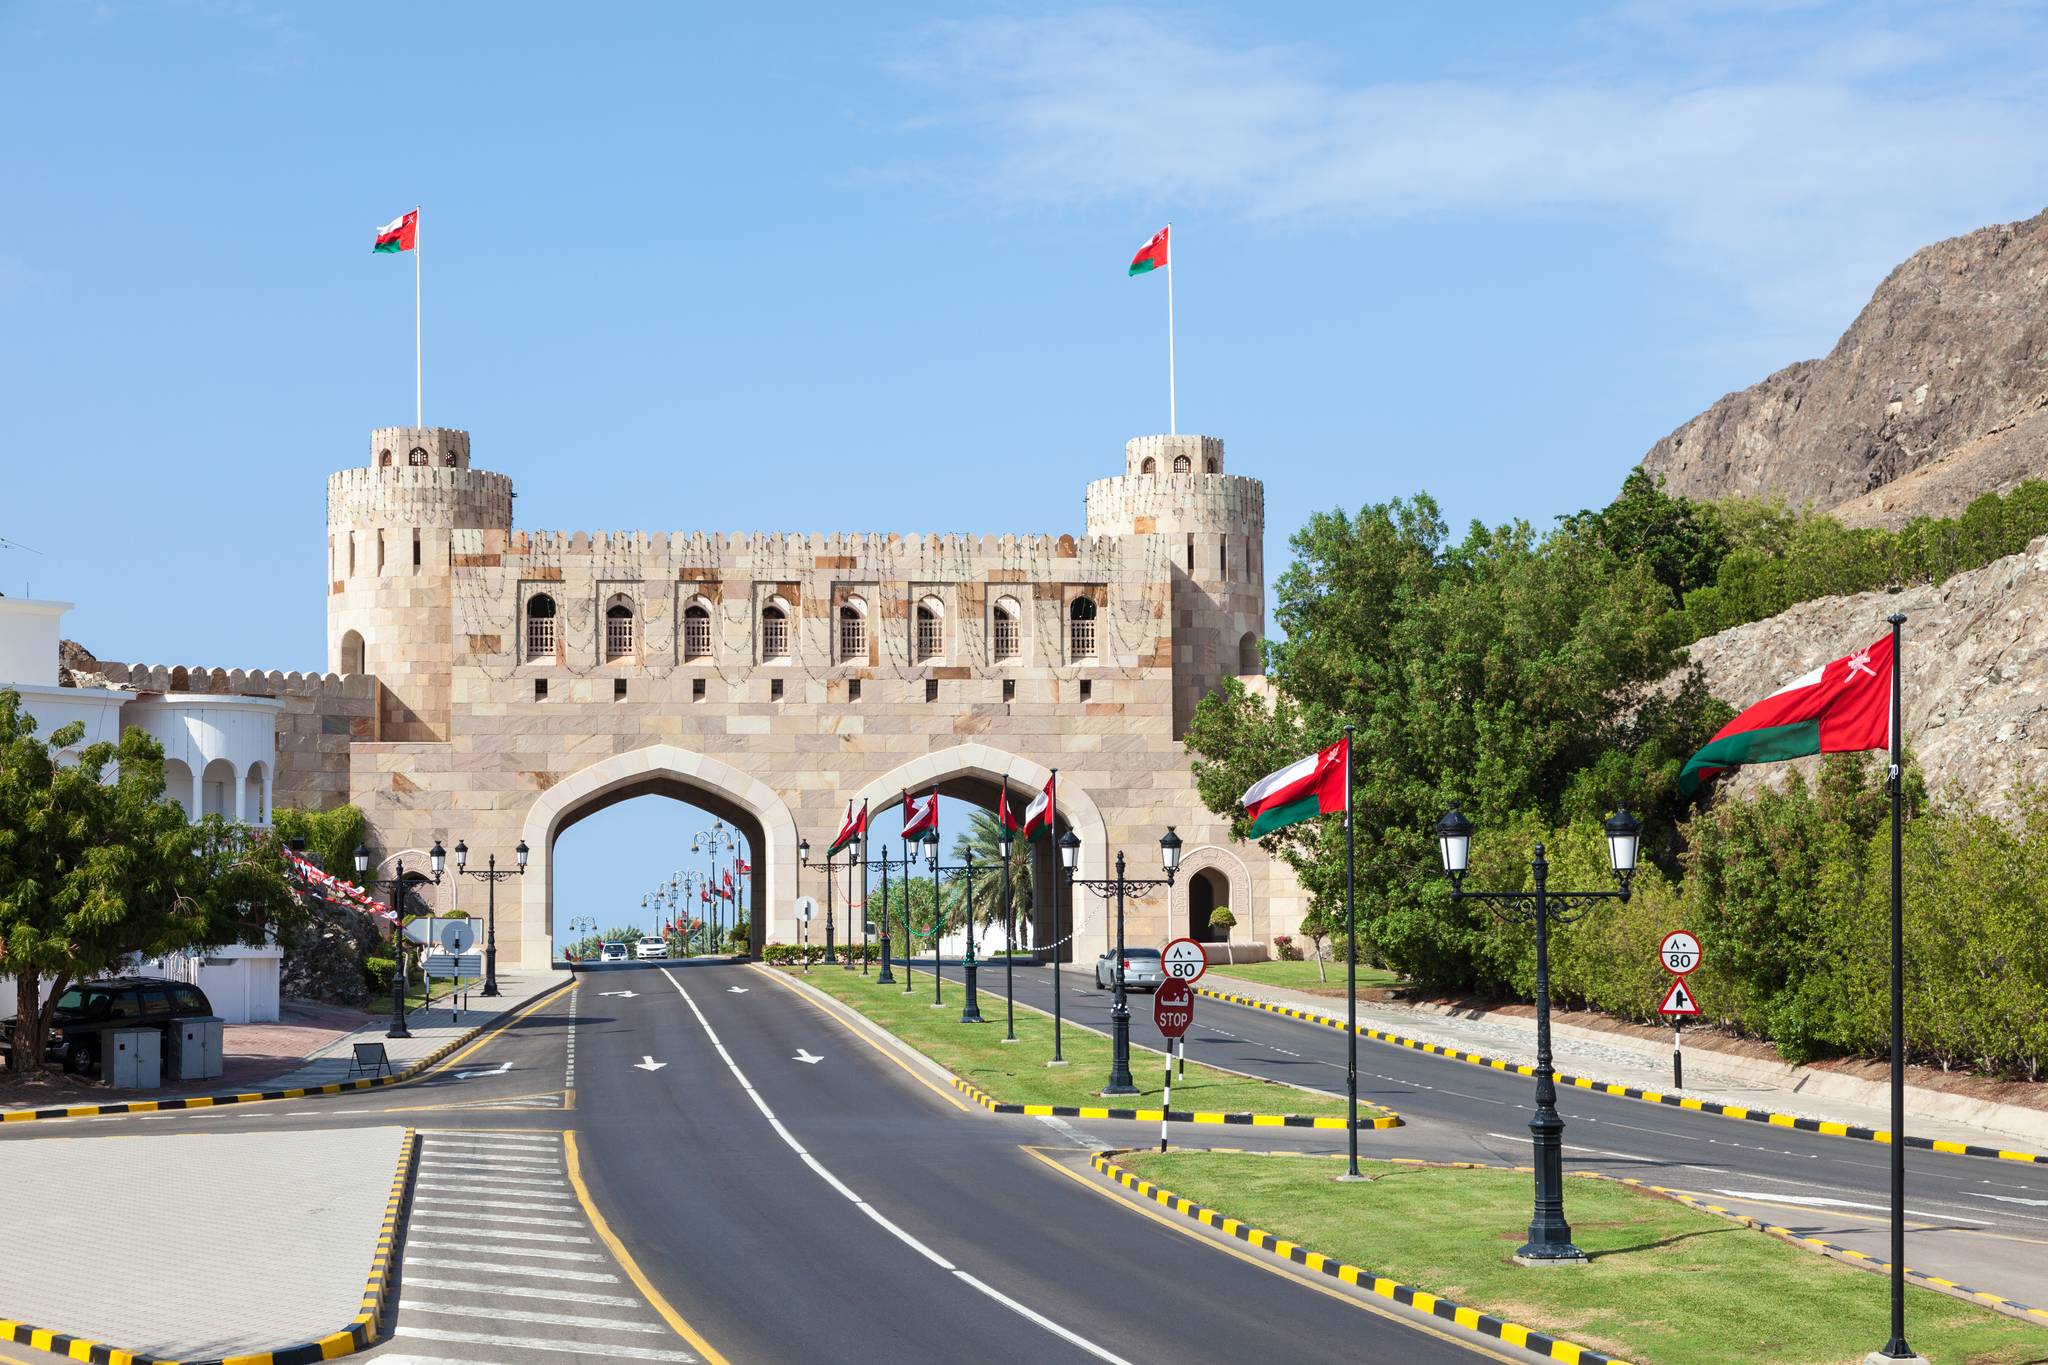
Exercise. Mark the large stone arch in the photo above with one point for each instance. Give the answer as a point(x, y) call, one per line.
point(1228, 864)
point(661, 770)
point(971, 772)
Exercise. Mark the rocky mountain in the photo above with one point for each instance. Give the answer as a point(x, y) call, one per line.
point(1935, 394)
point(1976, 680)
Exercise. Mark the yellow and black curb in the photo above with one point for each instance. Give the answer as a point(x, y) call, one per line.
point(412, 1072)
point(1421, 1301)
point(362, 1331)
point(1825, 1127)
point(1075, 1111)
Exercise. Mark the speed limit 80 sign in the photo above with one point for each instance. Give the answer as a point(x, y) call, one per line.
point(1184, 961)
point(1679, 954)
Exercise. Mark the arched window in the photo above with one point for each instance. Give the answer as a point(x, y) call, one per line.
point(1151, 466)
point(853, 632)
point(384, 458)
point(1211, 464)
point(1081, 628)
point(931, 630)
point(1005, 633)
point(775, 630)
point(540, 627)
point(448, 460)
point(1248, 661)
point(417, 457)
point(1181, 464)
point(619, 640)
point(352, 653)
point(697, 630)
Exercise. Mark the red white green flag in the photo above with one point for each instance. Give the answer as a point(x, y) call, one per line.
point(1304, 789)
point(401, 234)
point(1839, 708)
point(1005, 817)
point(1153, 254)
point(919, 814)
point(1044, 808)
point(856, 825)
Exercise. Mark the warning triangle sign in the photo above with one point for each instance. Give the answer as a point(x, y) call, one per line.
point(1678, 1000)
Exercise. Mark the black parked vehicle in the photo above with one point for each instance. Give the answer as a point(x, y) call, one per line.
point(86, 1012)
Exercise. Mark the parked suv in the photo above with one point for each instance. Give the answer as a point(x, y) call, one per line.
point(86, 1013)
point(1142, 970)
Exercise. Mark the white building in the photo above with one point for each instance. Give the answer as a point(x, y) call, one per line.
point(220, 758)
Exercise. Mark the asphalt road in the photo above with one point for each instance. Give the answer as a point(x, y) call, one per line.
point(1980, 1222)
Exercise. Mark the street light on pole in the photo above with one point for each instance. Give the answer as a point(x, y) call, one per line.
point(1120, 887)
point(1009, 933)
point(1550, 1236)
point(705, 841)
point(856, 859)
point(438, 858)
point(931, 860)
point(970, 1013)
point(490, 876)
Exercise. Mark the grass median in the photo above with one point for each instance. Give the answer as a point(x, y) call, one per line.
point(1666, 1284)
point(1016, 1073)
point(1295, 976)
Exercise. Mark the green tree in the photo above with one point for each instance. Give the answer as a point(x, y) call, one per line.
point(1319, 926)
point(97, 864)
point(1222, 921)
point(983, 839)
point(1681, 541)
point(331, 836)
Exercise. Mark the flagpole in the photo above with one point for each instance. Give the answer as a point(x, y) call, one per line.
point(1350, 966)
point(1172, 399)
point(1896, 1348)
point(419, 369)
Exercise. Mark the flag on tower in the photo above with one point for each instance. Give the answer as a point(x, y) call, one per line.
point(1044, 808)
point(1153, 254)
point(1838, 708)
point(1304, 789)
point(401, 234)
point(855, 826)
point(920, 813)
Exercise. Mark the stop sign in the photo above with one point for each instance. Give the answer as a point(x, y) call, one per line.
point(1173, 1008)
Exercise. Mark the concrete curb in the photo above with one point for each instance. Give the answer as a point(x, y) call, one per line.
point(1421, 1301)
point(1728, 1111)
point(411, 1072)
point(362, 1331)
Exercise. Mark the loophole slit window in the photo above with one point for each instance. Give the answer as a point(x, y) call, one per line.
point(1081, 628)
point(696, 632)
point(618, 630)
point(540, 627)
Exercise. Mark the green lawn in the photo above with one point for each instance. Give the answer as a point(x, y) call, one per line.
point(1016, 1072)
point(1295, 976)
point(1666, 1285)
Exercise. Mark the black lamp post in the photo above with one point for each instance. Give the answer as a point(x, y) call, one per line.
point(931, 860)
point(490, 876)
point(706, 842)
point(970, 1013)
point(887, 976)
point(1009, 935)
point(803, 858)
point(438, 857)
point(1550, 1236)
point(1120, 887)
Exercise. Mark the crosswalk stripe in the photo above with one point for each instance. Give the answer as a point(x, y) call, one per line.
point(472, 1310)
point(517, 1218)
point(456, 1135)
point(558, 1347)
point(485, 1145)
point(535, 1205)
point(470, 1176)
point(506, 1233)
point(535, 1272)
point(428, 1360)
point(447, 1156)
point(412, 1242)
point(517, 1291)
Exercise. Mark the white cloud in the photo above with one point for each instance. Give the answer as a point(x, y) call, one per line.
point(1798, 178)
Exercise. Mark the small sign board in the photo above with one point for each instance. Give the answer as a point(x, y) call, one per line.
point(1679, 1001)
point(806, 907)
point(1184, 961)
point(1679, 953)
point(1173, 1008)
point(456, 936)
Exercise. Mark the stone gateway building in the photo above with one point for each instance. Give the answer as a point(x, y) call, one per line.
point(491, 684)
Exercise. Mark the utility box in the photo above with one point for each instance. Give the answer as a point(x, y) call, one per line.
point(196, 1048)
point(135, 1059)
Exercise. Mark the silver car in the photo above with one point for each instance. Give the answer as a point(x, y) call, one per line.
point(1142, 970)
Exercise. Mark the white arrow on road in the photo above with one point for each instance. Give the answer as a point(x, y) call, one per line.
point(803, 1054)
point(648, 1064)
point(627, 994)
point(737, 990)
point(500, 1069)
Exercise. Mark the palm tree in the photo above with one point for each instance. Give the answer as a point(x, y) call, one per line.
point(982, 839)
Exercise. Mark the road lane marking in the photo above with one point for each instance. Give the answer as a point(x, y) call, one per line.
point(505, 1251)
point(1815, 1201)
point(648, 1064)
point(860, 1033)
point(506, 1233)
point(533, 1344)
point(521, 1205)
point(804, 1054)
point(1028, 1314)
point(539, 1272)
point(521, 1291)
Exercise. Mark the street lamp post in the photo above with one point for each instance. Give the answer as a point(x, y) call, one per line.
point(1550, 1236)
point(851, 853)
point(706, 842)
point(970, 1013)
point(803, 859)
point(438, 857)
point(1120, 887)
point(931, 860)
point(854, 859)
point(490, 876)
point(1009, 935)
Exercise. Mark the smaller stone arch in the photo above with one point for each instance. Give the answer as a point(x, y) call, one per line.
point(621, 629)
point(1249, 662)
point(1211, 875)
point(351, 654)
point(543, 638)
point(928, 644)
point(417, 457)
point(1081, 629)
point(448, 460)
point(1209, 466)
point(697, 629)
point(776, 635)
point(384, 459)
point(852, 642)
point(1006, 631)
point(1150, 466)
point(1182, 465)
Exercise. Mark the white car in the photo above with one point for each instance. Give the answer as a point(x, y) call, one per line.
point(614, 952)
point(651, 947)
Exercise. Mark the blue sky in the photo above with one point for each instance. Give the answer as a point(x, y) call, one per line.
point(861, 267)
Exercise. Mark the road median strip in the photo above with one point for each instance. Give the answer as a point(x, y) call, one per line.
point(363, 1330)
point(1825, 1127)
point(411, 1072)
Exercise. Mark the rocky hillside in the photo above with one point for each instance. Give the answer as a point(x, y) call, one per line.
point(1976, 681)
point(1935, 394)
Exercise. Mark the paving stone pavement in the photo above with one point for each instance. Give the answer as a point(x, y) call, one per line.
point(431, 1030)
point(195, 1245)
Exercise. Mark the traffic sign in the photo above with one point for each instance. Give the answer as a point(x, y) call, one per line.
point(1679, 953)
point(806, 906)
point(456, 936)
point(1184, 961)
point(1679, 1001)
point(1173, 1008)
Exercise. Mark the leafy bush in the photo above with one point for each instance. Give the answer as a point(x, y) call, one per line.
point(377, 971)
point(1284, 949)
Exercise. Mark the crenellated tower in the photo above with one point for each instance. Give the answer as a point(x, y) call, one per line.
point(1211, 527)
point(390, 563)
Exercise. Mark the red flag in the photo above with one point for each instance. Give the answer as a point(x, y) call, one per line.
point(1004, 815)
point(854, 827)
point(743, 866)
point(1154, 253)
point(1840, 707)
point(920, 815)
point(1043, 809)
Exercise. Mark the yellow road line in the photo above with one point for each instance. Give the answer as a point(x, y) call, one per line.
point(493, 1033)
point(628, 1264)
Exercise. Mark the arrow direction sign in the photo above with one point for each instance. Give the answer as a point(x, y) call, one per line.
point(625, 995)
point(803, 1054)
point(1678, 1001)
point(648, 1064)
point(500, 1069)
point(737, 990)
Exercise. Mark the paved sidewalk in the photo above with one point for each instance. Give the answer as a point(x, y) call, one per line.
point(431, 1029)
point(234, 1242)
point(1646, 1063)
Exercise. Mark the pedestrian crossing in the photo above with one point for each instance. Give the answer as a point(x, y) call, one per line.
point(501, 1266)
